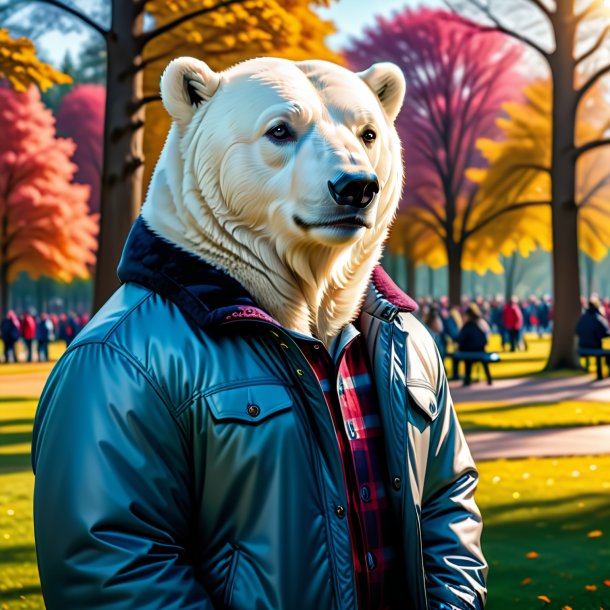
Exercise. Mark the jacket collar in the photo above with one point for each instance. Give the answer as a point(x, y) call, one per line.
point(209, 295)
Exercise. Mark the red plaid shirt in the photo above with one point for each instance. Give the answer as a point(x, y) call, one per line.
point(351, 399)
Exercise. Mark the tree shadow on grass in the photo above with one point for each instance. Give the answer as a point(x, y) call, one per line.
point(15, 594)
point(25, 421)
point(22, 553)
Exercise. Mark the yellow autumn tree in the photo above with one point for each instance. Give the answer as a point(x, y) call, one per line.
point(519, 169)
point(22, 68)
point(287, 28)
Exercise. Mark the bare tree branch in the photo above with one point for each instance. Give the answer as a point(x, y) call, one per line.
point(590, 82)
point(601, 183)
point(64, 7)
point(590, 146)
point(596, 45)
point(506, 210)
point(146, 37)
point(499, 27)
point(147, 99)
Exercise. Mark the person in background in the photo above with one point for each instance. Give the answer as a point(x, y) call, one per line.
point(28, 332)
point(44, 335)
point(434, 322)
point(544, 315)
point(10, 330)
point(473, 338)
point(512, 319)
point(592, 327)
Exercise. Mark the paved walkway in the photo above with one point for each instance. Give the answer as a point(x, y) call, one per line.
point(534, 389)
point(549, 442)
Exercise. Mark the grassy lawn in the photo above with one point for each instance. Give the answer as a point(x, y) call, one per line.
point(498, 416)
point(547, 532)
point(547, 521)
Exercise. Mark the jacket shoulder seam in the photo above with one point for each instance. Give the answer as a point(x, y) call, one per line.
point(126, 314)
point(138, 366)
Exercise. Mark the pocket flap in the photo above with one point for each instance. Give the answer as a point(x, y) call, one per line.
point(425, 399)
point(250, 404)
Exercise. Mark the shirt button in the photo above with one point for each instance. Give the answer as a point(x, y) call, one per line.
point(396, 483)
point(340, 511)
point(300, 373)
point(316, 346)
point(283, 346)
point(370, 561)
point(365, 493)
point(254, 410)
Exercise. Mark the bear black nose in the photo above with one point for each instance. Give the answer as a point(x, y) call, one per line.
point(354, 189)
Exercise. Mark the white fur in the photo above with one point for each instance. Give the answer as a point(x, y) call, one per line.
point(224, 190)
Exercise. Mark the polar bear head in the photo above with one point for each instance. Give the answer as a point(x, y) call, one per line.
point(286, 175)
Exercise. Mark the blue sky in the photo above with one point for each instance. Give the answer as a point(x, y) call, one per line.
point(350, 16)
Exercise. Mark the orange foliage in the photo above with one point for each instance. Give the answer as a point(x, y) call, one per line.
point(289, 29)
point(45, 225)
point(519, 170)
point(20, 66)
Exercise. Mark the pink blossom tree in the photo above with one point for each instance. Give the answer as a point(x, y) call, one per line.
point(457, 81)
point(80, 117)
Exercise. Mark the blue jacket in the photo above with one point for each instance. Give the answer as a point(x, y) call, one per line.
point(592, 328)
point(157, 487)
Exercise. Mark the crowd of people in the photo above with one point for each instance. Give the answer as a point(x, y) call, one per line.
point(465, 328)
point(511, 320)
point(34, 332)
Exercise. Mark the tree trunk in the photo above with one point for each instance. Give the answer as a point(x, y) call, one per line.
point(4, 291)
point(123, 155)
point(454, 257)
point(411, 272)
point(566, 278)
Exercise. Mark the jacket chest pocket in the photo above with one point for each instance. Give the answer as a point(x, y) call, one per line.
point(249, 404)
point(423, 398)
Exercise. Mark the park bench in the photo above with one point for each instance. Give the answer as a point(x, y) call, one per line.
point(457, 357)
point(598, 354)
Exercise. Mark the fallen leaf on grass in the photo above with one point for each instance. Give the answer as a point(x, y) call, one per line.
point(544, 598)
point(566, 607)
point(591, 587)
point(532, 555)
point(595, 534)
point(607, 583)
point(526, 581)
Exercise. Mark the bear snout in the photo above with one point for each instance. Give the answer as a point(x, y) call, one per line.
point(357, 190)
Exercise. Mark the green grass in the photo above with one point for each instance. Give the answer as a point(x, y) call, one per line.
point(499, 416)
point(19, 586)
point(550, 508)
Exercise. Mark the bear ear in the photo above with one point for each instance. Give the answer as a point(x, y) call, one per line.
point(388, 84)
point(185, 84)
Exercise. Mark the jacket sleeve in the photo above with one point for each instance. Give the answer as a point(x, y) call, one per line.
point(455, 568)
point(112, 498)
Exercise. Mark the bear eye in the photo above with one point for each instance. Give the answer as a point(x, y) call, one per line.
point(368, 135)
point(280, 133)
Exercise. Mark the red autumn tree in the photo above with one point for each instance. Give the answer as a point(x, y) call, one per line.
point(80, 117)
point(457, 81)
point(45, 224)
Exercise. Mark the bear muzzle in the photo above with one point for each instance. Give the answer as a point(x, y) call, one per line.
point(357, 190)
